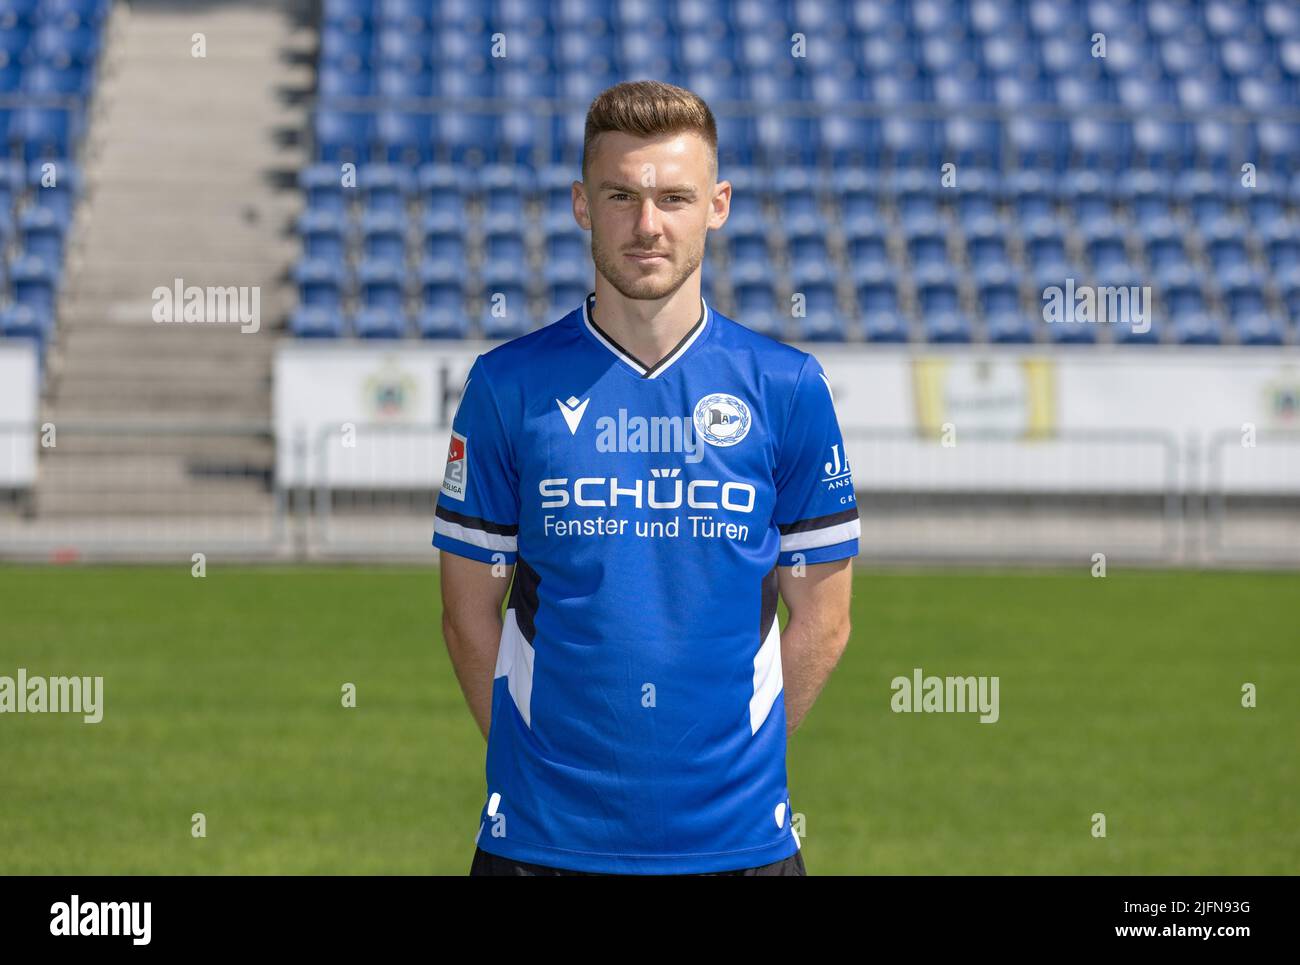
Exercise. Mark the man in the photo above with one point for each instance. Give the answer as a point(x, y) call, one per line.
point(651, 474)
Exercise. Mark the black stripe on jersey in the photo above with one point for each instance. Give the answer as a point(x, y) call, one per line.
point(523, 598)
point(767, 609)
point(819, 522)
point(474, 522)
point(654, 368)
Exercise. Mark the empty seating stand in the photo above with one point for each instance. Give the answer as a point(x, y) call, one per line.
point(927, 173)
point(49, 53)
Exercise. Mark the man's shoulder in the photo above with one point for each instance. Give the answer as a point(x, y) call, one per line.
point(773, 356)
point(529, 351)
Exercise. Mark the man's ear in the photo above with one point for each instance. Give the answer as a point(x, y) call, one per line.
point(720, 205)
point(581, 209)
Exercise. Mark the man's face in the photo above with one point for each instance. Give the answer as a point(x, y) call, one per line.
point(649, 204)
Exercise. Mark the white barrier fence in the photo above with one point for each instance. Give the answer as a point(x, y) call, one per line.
point(149, 491)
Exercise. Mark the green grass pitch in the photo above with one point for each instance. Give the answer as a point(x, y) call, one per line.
point(1119, 695)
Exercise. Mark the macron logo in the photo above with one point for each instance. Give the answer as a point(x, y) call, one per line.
point(572, 411)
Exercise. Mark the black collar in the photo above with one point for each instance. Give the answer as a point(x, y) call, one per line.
point(647, 372)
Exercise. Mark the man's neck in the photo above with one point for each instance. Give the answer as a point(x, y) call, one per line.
point(647, 329)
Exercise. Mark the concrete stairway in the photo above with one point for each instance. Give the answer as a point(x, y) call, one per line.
point(185, 166)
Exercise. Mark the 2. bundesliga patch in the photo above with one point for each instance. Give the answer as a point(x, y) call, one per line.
point(456, 477)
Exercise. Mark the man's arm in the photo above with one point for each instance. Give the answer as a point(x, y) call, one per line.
point(471, 625)
point(817, 632)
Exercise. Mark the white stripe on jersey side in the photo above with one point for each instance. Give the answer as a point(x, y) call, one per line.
point(768, 679)
point(475, 537)
point(812, 539)
point(515, 663)
point(586, 320)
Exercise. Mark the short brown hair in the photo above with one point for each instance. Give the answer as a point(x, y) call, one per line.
point(649, 108)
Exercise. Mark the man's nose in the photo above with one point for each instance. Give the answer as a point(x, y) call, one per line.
point(647, 222)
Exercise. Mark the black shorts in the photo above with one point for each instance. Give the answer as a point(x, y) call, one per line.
point(487, 863)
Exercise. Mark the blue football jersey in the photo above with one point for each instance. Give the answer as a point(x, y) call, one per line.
point(638, 721)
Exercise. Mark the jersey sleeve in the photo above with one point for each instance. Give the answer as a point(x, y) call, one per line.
point(477, 514)
point(816, 510)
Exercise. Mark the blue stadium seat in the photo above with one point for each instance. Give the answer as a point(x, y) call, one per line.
point(381, 284)
point(1104, 144)
point(973, 142)
point(55, 184)
point(977, 195)
point(506, 314)
point(998, 292)
point(504, 189)
point(912, 143)
point(964, 85)
point(320, 283)
point(28, 320)
point(1088, 194)
point(397, 82)
point(986, 245)
point(385, 187)
point(916, 196)
point(1258, 329)
point(44, 132)
point(1265, 208)
point(1009, 327)
point(1147, 193)
point(55, 79)
point(443, 319)
point(505, 246)
point(41, 231)
point(927, 246)
point(57, 44)
point(405, 137)
point(33, 282)
point(316, 322)
point(1282, 247)
point(1204, 193)
point(1243, 291)
point(343, 79)
point(847, 140)
point(1165, 247)
point(950, 326)
point(1279, 143)
point(1196, 329)
point(1181, 292)
point(444, 243)
point(1221, 144)
point(1162, 144)
point(323, 186)
point(1023, 89)
point(1029, 193)
point(380, 321)
point(383, 235)
point(343, 136)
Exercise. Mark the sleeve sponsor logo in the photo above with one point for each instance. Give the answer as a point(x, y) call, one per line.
point(456, 477)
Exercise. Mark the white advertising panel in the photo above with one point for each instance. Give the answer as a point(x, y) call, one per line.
point(19, 404)
point(979, 419)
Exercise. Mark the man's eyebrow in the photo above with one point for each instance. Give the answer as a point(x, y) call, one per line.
point(675, 189)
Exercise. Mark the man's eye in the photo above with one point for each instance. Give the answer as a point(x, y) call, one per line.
point(620, 194)
point(676, 196)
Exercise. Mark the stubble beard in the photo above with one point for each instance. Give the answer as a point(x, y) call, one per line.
point(629, 283)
